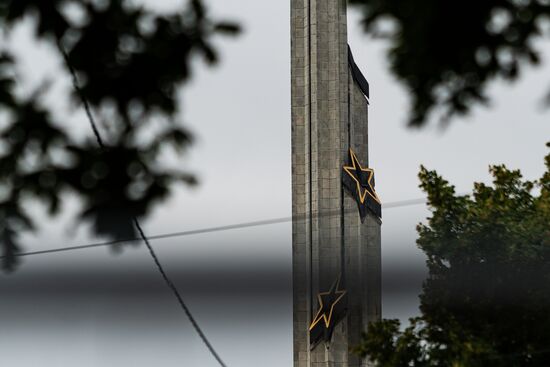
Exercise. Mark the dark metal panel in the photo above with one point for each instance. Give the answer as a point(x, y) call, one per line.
point(358, 75)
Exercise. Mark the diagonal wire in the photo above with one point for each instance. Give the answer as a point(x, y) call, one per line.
point(160, 268)
point(257, 223)
point(84, 101)
point(178, 295)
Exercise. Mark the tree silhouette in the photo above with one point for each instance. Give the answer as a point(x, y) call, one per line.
point(129, 63)
point(487, 299)
point(446, 53)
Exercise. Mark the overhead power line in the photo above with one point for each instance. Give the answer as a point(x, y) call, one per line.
point(143, 237)
point(257, 223)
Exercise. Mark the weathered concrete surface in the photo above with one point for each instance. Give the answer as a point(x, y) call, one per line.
point(329, 116)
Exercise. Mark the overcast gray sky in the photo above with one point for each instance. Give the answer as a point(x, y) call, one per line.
point(91, 308)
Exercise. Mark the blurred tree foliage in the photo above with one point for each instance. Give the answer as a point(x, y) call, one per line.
point(487, 299)
point(447, 52)
point(130, 63)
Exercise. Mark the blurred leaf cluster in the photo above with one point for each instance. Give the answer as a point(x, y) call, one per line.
point(487, 299)
point(447, 52)
point(130, 63)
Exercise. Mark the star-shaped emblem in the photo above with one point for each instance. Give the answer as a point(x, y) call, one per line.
point(363, 178)
point(327, 302)
point(359, 181)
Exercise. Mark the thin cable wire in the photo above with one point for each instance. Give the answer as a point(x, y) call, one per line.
point(258, 223)
point(177, 294)
point(76, 86)
point(160, 268)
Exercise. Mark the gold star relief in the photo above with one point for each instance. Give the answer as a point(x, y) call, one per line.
point(363, 178)
point(326, 307)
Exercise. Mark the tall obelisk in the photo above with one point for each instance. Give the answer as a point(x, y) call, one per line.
point(336, 212)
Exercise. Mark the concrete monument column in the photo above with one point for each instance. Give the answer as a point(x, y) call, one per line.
point(336, 246)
